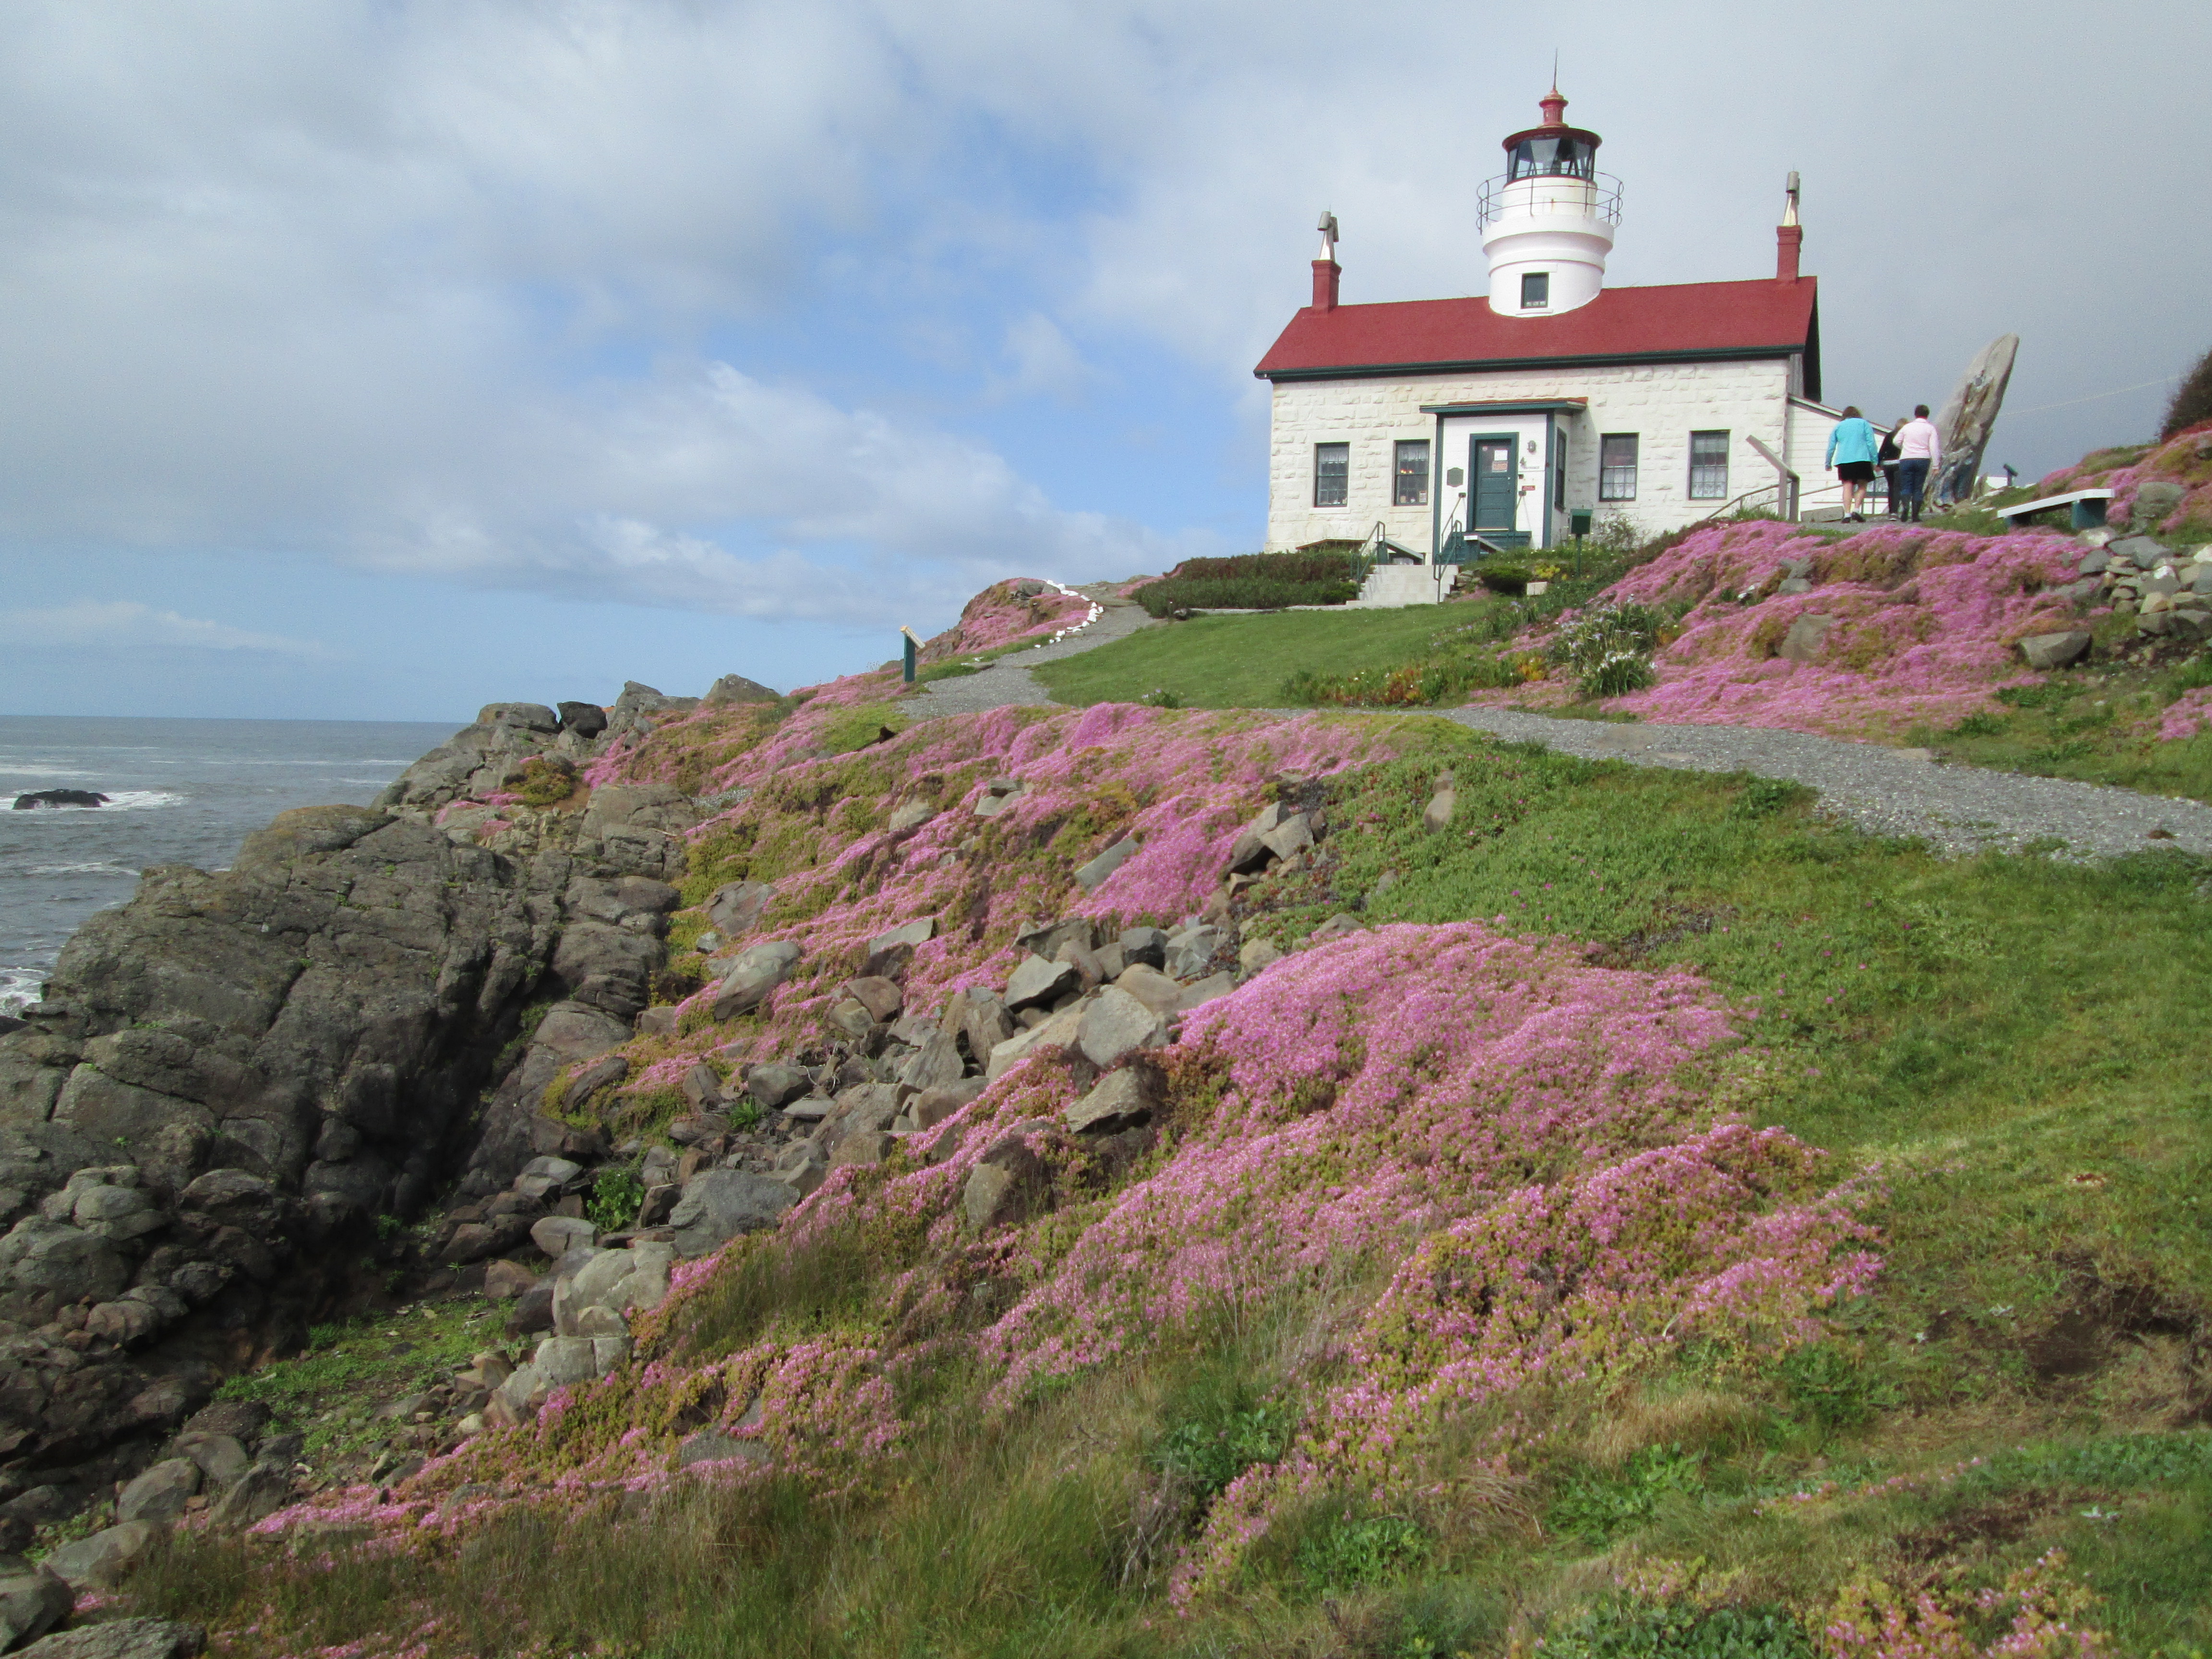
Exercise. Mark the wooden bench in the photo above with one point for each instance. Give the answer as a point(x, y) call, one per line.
point(2087, 505)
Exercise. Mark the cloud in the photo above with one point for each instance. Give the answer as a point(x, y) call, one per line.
point(121, 624)
point(1043, 362)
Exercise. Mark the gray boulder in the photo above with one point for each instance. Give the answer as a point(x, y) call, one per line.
point(720, 1205)
point(714, 1446)
point(1116, 1024)
point(1805, 635)
point(751, 974)
point(123, 1638)
point(66, 1262)
point(585, 719)
point(1007, 1186)
point(919, 932)
point(100, 1562)
point(735, 688)
point(776, 1085)
point(1190, 950)
point(1121, 1100)
point(2154, 499)
point(1091, 875)
point(1145, 946)
point(1037, 983)
point(159, 1494)
point(735, 908)
point(2049, 651)
point(33, 1600)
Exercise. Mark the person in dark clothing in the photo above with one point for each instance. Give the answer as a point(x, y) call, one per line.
point(1886, 461)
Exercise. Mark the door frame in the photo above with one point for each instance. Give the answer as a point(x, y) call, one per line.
point(1512, 442)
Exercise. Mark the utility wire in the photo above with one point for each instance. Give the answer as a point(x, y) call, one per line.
point(2094, 396)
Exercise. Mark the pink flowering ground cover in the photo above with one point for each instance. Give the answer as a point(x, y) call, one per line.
point(1926, 623)
point(2186, 459)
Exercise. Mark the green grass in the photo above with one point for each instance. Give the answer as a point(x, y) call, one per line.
point(1241, 662)
point(2098, 726)
point(330, 1391)
point(2010, 1048)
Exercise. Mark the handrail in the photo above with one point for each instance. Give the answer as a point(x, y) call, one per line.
point(1600, 194)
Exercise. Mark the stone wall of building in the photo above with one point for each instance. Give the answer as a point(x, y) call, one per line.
point(1662, 403)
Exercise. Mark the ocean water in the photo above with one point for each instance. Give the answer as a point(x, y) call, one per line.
point(183, 792)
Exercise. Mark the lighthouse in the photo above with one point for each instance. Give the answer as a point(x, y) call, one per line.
point(1547, 221)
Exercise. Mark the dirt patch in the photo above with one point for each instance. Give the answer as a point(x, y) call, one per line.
point(2106, 1319)
point(1629, 950)
point(1978, 1529)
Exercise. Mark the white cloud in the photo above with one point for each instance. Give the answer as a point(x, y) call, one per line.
point(119, 624)
point(1043, 362)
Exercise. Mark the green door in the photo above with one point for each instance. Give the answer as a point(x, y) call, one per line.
point(1494, 468)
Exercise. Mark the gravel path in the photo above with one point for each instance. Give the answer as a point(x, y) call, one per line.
point(1885, 792)
point(1007, 683)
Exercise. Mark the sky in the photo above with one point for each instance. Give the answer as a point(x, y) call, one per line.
point(366, 358)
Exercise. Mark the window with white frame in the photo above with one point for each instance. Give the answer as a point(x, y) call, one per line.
point(1616, 467)
point(1332, 474)
point(1709, 466)
point(1411, 471)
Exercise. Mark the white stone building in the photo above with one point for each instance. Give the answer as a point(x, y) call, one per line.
point(1501, 416)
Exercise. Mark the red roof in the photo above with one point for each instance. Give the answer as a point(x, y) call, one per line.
point(1684, 319)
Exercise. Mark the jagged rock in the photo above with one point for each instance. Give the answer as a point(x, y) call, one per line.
point(936, 1064)
point(123, 1638)
point(998, 795)
point(585, 719)
point(98, 1562)
point(735, 688)
point(1144, 946)
point(1256, 955)
point(802, 1166)
point(919, 931)
point(862, 1146)
point(1057, 1032)
point(985, 1023)
point(556, 1236)
point(2048, 651)
point(1038, 983)
point(881, 998)
point(33, 1600)
point(1091, 875)
point(1115, 1024)
point(1050, 938)
point(1152, 987)
point(2154, 499)
point(1005, 1187)
point(66, 1263)
point(735, 908)
point(1120, 1100)
point(702, 1087)
point(159, 1494)
point(1290, 836)
point(720, 1205)
point(751, 974)
point(1205, 990)
point(221, 1459)
point(910, 815)
point(933, 1106)
point(776, 1085)
point(612, 1281)
point(714, 1446)
point(242, 1420)
point(1192, 949)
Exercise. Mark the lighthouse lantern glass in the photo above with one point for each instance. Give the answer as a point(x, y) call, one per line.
point(1564, 157)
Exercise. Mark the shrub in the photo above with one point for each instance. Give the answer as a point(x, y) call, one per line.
point(546, 781)
point(1351, 1553)
point(1224, 1433)
point(1676, 1631)
point(1252, 581)
point(1594, 1506)
point(1609, 647)
point(616, 1197)
point(2192, 400)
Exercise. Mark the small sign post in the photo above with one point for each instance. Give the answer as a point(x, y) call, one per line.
point(910, 646)
point(1579, 523)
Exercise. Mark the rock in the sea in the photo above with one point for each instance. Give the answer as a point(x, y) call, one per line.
point(37, 798)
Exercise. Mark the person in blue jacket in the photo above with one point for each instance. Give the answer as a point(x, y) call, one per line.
point(1852, 448)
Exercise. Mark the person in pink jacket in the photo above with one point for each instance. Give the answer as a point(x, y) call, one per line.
point(1919, 452)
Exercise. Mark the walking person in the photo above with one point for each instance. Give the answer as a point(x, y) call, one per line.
point(1886, 461)
point(1852, 450)
point(1920, 451)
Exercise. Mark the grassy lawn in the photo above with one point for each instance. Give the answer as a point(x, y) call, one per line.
point(1241, 662)
point(2090, 726)
point(2009, 1051)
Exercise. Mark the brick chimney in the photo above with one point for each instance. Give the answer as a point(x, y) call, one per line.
point(1327, 275)
point(1327, 272)
point(1789, 237)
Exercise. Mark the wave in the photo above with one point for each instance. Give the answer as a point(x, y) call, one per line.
point(18, 986)
point(96, 869)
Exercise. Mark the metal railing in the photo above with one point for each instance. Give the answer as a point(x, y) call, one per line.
point(1596, 197)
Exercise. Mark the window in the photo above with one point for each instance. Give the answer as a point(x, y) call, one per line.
point(1536, 289)
point(1331, 471)
point(1558, 470)
point(1616, 467)
point(1708, 466)
point(1413, 473)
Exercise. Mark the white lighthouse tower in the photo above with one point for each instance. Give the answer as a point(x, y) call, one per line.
point(1547, 222)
